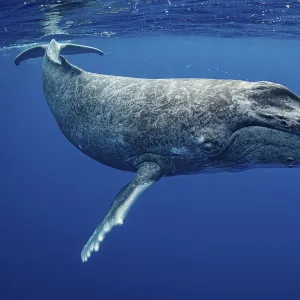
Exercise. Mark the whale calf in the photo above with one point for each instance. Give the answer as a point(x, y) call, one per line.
point(166, 127)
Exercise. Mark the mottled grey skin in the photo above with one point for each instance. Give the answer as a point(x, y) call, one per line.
point(187, 125)
point(181, 126)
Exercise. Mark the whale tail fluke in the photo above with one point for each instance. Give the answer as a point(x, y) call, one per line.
point(33, 52)
point(54, 50)
point(70, 49)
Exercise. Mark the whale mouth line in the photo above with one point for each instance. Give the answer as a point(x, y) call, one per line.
point(267, 127)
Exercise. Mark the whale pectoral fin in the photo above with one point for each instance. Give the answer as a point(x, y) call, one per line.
point(70, 49)
point(147, 174)
point(33, 52)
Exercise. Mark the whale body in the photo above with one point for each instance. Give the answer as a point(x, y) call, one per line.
point(166, 127)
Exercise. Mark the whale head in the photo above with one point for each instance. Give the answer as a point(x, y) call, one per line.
point(266, 130)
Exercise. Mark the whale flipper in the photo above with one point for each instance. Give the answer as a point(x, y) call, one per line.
point(147, 174)
point(56, 49)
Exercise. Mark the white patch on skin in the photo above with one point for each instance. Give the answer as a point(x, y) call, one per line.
point(179, 150)
point(201, 139)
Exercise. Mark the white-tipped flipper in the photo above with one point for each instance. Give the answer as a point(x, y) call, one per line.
point(147, 174)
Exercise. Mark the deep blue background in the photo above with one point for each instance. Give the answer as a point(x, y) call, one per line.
point(219, 236)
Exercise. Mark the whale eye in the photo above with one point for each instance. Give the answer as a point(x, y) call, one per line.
point(208, 147)
point(211, 147)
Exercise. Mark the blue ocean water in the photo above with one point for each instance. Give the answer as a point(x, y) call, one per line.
point(213, 237)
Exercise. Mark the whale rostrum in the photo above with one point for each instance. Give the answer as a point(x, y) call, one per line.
point(166, 127)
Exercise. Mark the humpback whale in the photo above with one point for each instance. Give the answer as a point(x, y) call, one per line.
point(166, 127)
